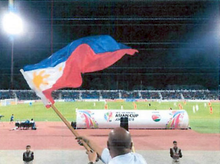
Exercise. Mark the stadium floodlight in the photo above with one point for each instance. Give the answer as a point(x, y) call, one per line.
point(12, 24)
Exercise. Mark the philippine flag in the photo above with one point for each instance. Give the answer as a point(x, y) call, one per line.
point(63, 69)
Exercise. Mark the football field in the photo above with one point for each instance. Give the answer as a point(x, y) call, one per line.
point(200, 119)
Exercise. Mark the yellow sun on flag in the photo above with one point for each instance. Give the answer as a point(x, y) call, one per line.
point(39, 79)
point(60, 69)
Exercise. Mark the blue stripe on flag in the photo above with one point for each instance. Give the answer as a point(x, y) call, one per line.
point(99, 44)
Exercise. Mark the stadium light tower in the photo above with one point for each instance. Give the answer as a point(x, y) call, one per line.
point(12, 25)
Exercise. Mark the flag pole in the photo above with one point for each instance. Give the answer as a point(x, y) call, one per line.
point(70, 127)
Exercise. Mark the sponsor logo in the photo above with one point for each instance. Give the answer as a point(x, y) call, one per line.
point(156, 117)
point(108, 116)
point(175, 119)
point(89, 121)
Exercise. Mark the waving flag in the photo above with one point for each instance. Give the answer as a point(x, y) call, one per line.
point(64, 68)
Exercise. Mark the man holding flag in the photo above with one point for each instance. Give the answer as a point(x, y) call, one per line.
point(118, 151)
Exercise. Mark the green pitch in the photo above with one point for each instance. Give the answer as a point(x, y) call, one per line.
point(201, 121)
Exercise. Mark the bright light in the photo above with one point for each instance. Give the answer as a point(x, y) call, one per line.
point(12, 24)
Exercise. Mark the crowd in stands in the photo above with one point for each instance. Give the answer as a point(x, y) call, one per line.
point(90, 95)
point(56, 94)
point(68, 95)
point(6, 94)
point(212, 95)
point(130, 95)
point(110, 94)
point(202, 95)
point(150, 95)
point(114, 94)
point(166, 95)
point(26, 95)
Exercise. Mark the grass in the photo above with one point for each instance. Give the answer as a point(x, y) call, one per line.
point(201, 121)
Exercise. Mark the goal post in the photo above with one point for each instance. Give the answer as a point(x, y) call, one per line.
point(7, 102)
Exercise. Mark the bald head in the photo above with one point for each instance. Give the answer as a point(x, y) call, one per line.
point(120, 136)
point(119, 141)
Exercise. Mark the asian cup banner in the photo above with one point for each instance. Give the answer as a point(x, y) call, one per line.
point(143, 119)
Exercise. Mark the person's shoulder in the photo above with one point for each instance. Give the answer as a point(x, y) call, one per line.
point(138, 155)
point(140, 158)
point(105, 152)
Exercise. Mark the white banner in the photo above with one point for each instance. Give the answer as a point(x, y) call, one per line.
point(139, 119)
point(198, 100)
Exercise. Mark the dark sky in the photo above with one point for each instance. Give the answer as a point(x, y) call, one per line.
point(178, 41)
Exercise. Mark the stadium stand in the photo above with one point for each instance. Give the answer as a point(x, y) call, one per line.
point(115, 94)
point(68, 94)
point(90, 95)
point(212, 95)
point(130, 94)
point(56, 94)
point(150, 95)
point(201, 95)
point(25, 95)
point(167, 95)
point(110, 94)
point(5, 94)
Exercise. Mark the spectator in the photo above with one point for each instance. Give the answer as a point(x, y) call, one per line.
point(175, 153)
point(119, 149)
point(28, 155)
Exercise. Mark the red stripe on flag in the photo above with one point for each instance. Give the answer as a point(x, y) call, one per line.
point(84, 60)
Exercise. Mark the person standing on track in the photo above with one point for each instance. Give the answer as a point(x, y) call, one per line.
point(175, 153)
point(28, 155)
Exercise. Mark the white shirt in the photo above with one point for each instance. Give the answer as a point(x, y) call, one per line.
point(129, 158)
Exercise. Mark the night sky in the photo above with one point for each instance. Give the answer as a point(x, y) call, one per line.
point(178, 41)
